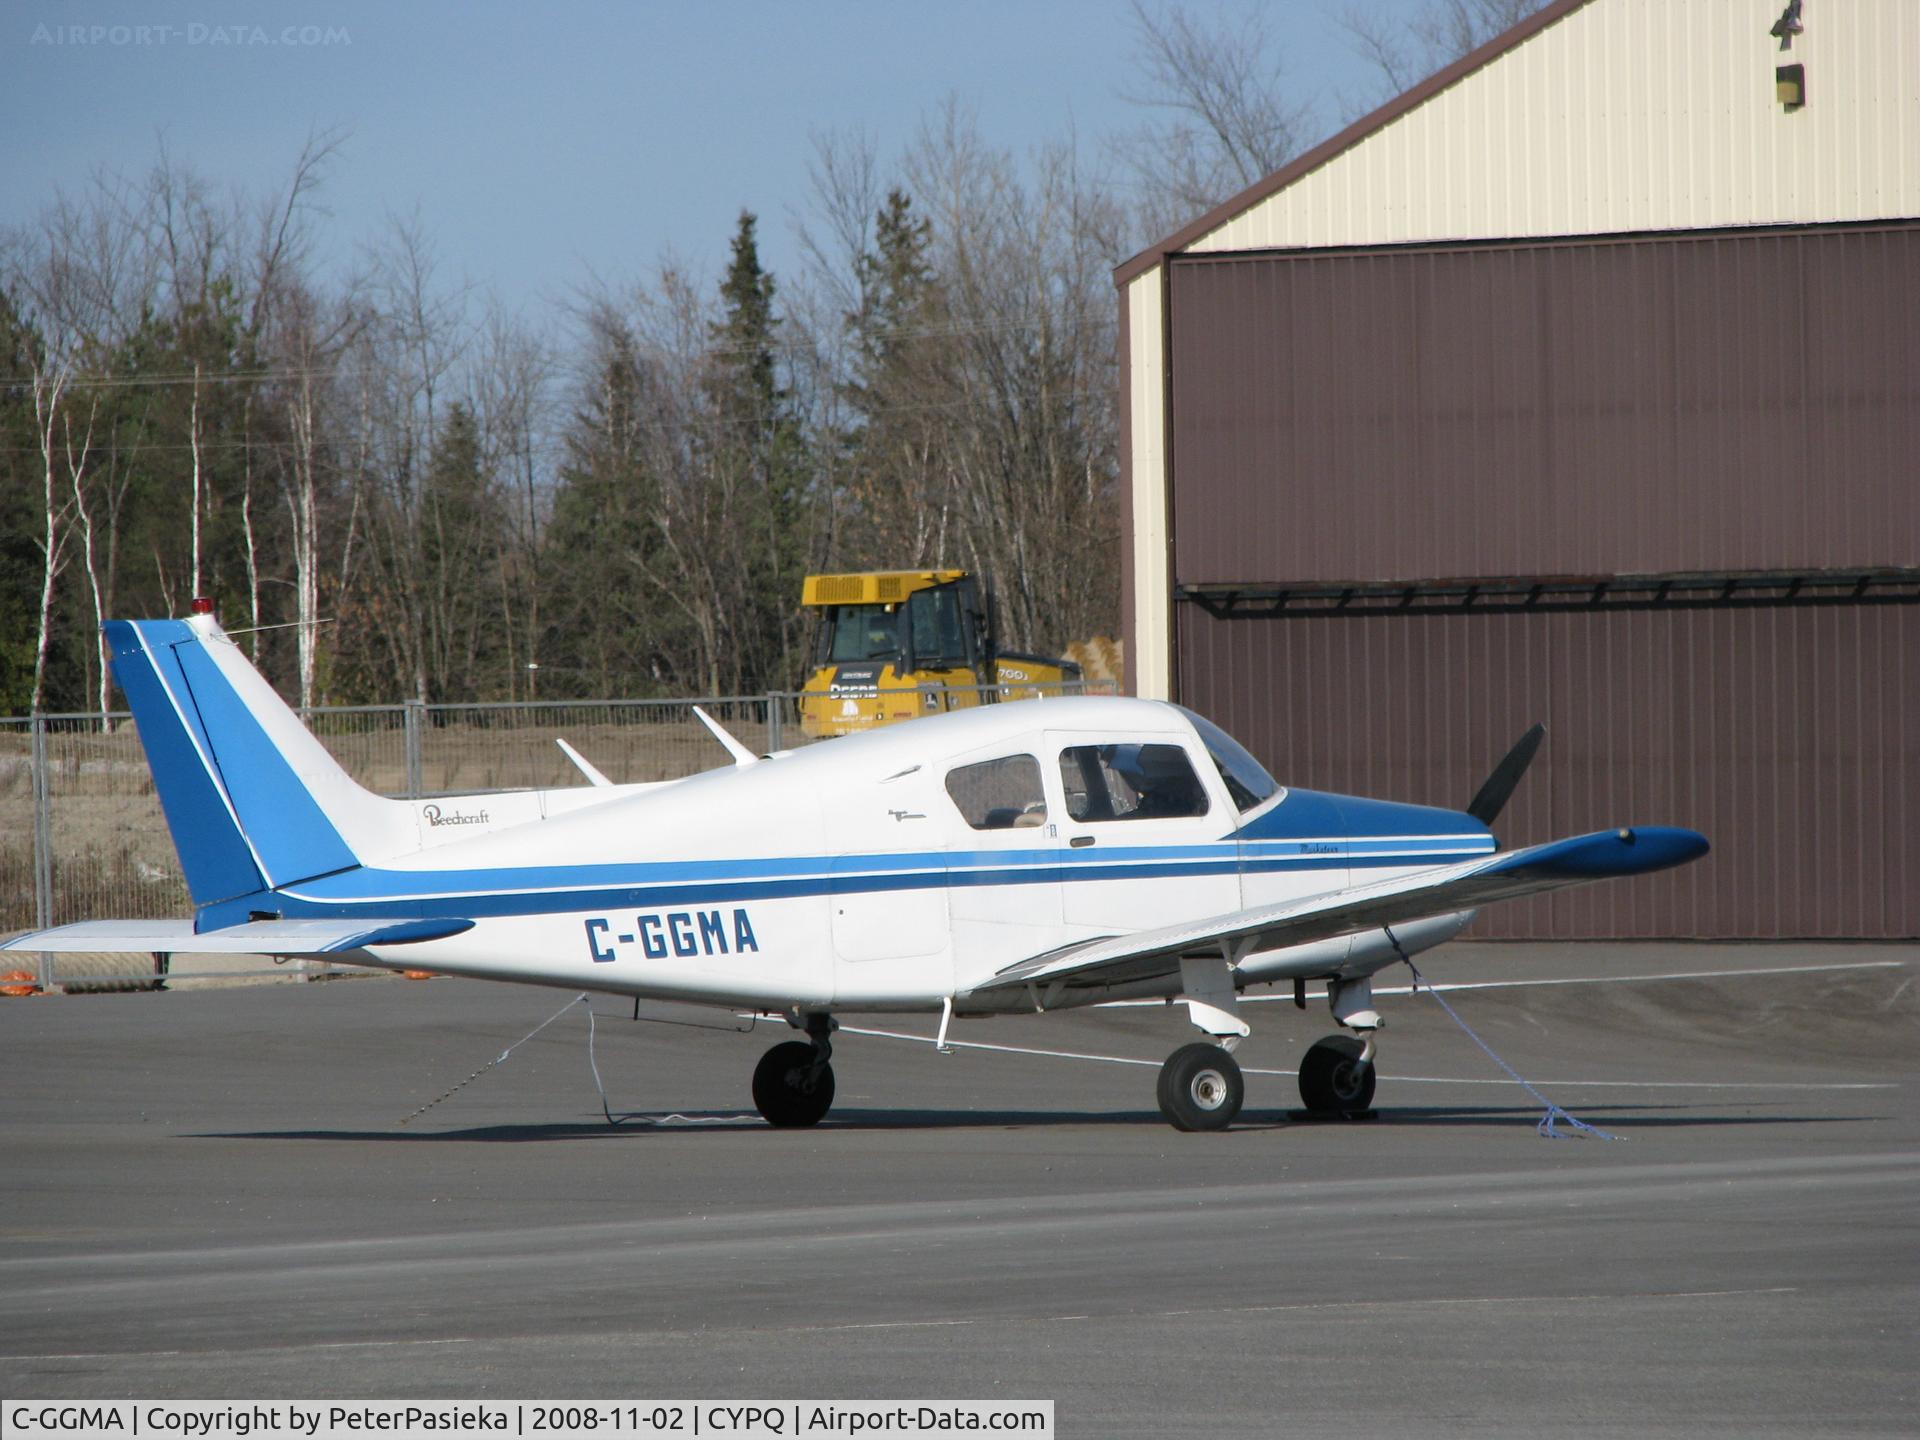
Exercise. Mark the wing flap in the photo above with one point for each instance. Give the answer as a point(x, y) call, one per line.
point(1439, 891)
point(259, 937)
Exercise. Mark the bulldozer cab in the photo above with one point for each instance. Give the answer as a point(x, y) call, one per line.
point(893, 644)
point(937, 628)
point(887, 645)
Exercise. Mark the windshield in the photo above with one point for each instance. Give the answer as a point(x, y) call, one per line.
point(1246, 779)
point(862, 632)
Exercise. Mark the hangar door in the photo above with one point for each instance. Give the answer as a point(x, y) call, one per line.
point(1384, 462)
point(1712, 402)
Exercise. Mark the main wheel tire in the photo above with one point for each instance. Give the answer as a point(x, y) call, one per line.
point(786, 1091)
point(1333, 1078)
point(1201, 1088)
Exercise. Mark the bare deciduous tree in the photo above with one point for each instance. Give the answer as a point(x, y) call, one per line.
point(1403, 53)
point(49, 390)
point(1229, 117)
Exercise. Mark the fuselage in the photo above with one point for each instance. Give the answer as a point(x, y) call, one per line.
point(896, 869)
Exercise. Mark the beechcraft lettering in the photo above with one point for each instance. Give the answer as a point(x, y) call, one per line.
point(682, 933)
point(1007, 859)
point(436, 817)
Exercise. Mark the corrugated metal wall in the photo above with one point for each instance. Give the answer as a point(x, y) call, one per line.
point(1787, 735)
point(1730, 401)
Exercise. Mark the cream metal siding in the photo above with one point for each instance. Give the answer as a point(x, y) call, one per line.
point(1631, 115)
point(1150, 666)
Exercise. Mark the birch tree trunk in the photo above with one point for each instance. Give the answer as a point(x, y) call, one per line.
point(47, 395)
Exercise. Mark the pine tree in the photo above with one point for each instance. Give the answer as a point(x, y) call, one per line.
point(900, 488)
point(758, 465)
point(610, 629)
point(462, 526)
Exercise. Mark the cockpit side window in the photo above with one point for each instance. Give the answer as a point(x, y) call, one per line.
point(1003, 794)
point(1130, 781)
point(1246, 779)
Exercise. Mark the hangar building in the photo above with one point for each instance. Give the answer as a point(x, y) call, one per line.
point(1581, 383)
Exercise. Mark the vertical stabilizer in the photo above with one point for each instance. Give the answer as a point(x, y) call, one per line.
point(252, 799)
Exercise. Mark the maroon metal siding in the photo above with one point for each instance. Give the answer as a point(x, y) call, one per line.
point(1724, 401)
point(1786, 735)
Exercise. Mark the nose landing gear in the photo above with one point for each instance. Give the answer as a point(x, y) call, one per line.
point(1336, 1075)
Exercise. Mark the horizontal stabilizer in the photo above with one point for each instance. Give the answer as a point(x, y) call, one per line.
point(260, 937)
point(1439, 891)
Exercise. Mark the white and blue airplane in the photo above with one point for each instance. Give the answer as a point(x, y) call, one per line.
point(1029, 856)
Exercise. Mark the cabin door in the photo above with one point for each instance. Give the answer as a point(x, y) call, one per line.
point(1143, 844)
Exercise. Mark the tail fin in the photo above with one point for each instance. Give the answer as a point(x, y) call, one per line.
point(252, 799)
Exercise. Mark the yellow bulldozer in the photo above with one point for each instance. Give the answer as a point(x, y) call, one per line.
point(893, 644)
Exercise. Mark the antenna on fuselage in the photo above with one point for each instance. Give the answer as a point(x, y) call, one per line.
point(741, 754)
point(582, 764)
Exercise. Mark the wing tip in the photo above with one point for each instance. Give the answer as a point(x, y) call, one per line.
point(1629, 850)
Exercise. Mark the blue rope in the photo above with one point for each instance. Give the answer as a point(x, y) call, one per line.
point(1554, 1113)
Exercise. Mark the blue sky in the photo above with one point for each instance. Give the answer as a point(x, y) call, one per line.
point(541, 143)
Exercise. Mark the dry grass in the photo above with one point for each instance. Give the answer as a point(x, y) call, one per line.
point(112, 854)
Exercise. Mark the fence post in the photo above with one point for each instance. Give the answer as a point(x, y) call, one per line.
point(42, 847)
point(415, 713)
point(774, 718)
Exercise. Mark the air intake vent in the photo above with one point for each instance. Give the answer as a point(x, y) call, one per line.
point(839, 589)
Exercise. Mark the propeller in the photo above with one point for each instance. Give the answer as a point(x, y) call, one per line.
point(1493, 796)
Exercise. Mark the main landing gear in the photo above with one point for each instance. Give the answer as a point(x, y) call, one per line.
point(1201, 1087)
point(793, 1083)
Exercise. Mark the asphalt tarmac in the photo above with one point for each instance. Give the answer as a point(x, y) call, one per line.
point(211, 1195)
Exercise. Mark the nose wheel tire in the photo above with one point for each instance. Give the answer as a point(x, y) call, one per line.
point(1201, 1088)
point(790, 1087)
point(1334, 1080)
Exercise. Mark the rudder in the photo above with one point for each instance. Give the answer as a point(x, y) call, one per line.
point(252, 799)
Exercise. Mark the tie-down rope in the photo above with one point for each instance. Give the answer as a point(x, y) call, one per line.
point(592, 1064)
point(1554, 1112)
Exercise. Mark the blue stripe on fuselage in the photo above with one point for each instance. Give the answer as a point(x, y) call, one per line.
point(1306, 831)
point(558, 889)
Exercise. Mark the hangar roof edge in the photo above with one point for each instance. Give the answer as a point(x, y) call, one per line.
point(1327, 150)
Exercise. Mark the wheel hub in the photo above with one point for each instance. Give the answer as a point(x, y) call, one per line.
point(1209, 1089)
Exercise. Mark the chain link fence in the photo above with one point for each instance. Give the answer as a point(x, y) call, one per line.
point(82, 835)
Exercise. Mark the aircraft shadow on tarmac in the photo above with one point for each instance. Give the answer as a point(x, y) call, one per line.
point(1619, 1118)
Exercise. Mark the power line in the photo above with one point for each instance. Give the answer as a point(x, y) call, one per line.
point(649, 427)
point(264, 375)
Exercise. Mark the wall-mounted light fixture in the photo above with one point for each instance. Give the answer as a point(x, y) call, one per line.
point(1790, 86)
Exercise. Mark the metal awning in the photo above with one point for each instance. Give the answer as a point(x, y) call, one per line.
point(1557, 594)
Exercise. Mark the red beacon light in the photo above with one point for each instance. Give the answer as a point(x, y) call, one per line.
point(203, 604)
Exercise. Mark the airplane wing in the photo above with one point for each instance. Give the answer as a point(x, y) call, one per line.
point(1151, 954)
point(258, 937)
